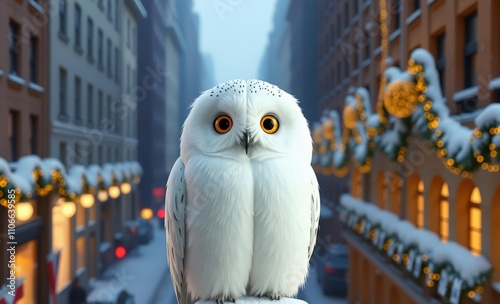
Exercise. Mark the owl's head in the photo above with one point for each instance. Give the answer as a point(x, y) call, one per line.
point(246, 119)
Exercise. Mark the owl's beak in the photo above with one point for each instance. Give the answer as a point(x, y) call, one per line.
point(245, 141)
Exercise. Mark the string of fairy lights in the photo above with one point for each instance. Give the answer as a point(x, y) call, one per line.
point(400, 99)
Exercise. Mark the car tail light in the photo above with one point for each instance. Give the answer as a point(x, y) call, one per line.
point(160, 213)
point(329, 270)
point(120, 252)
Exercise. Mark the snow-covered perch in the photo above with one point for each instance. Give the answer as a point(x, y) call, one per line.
point(254, 300)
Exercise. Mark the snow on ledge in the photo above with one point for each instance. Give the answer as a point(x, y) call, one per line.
point(254, 300)
point(469, 266)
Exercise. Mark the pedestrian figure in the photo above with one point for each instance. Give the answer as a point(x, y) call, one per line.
point(77, 294)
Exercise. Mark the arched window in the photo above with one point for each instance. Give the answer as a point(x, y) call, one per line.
point(415, 201)
point(444, 213)
point(475, 221)
point(420, 205)
point(494, 239)
point(356, 185)
point(381, 190)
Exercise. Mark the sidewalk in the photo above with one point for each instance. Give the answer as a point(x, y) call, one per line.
point(143, 271)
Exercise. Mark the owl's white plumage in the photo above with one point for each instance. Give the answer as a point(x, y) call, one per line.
point(242, 220)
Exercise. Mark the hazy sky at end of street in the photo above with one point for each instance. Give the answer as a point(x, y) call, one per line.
point(235, 33)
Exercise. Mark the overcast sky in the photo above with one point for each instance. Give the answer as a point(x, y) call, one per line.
point(235, 34)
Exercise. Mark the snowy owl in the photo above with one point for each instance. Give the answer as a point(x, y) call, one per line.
point(242, 201)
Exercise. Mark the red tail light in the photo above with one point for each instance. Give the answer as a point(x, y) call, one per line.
point(120, 252)
point(160, 213)
point(329, 270)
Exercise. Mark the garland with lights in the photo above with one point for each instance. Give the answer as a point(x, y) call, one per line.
point(38, 178)
point(412, 103)
point(422, 263)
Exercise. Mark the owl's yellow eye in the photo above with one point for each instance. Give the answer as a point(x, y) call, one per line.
point(223, 124)
point(269, 124)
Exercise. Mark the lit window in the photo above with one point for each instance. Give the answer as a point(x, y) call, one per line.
point(80, 253)
point(356, 184)
point(61, 240)
point(444, 213)
point(26, 266)
point(420, 205)
point(381, 190)
point(475, 222)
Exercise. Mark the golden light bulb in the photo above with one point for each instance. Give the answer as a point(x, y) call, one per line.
point(24, 211)
point(114, 192)
point(102, 195)
point(87, 200)
point(68, 209)
point(126, 188)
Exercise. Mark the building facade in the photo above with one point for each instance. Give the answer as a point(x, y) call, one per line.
point(24, 79)
point(24, 89)
point(151, 109)
point(424, 188)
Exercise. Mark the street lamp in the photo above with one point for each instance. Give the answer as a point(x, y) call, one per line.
point(68, 208)
point(24, 211)
point(102, 195)
point(114, 191)
point(126, 188)
point(87, 200)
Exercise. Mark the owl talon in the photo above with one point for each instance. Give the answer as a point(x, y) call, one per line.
point(223, 300)
point(273, 296)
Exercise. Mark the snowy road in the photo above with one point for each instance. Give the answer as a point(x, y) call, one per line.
point(165, 294)
point(313, 295)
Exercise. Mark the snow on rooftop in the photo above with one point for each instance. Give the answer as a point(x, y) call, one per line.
point(52, 164)
point(19, 181)
point(491, 114)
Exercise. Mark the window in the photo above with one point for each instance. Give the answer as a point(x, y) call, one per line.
point(61, 236)
point(420, 205)
point(99, 155)
point(440, 58)
point(134, 40)
point(100, 107)
point(475, 221)
point(109, 10)
point(117, 65)
point(444, 213)
point(109, 115)
point(368, 46)
point(100, 46)
point(33, 134)
point(78, 26)
point(14, 48)
point(26, 266)
point(117, 16)
point(90, 104)
point(62, 16)
point(13, 132)
point(470, 50)
point(80, 250)
point(108, 58)
point(416, 5)
point(128, 79)
point(78, 98)
point(62, 92)
point(33, 59)
point(397, 14)
point(346, 14)
point(128, 33)
point(90, 38)
point(63, 152)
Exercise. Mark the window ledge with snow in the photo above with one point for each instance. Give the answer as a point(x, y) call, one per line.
point(494, 84)
point(16, 79)
point(413, 17)
point(255, 300)
point(36, 87)
point(465, 94)
point(37, 7)
point(419, 252)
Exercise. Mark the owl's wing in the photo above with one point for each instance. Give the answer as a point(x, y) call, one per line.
point(175, 224)
point(315, 210)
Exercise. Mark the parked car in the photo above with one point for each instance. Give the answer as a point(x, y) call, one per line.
point(146, 231)
point(333, 271)
point(109, 292)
